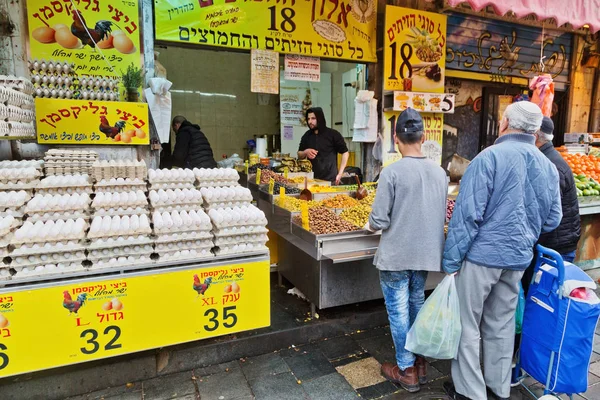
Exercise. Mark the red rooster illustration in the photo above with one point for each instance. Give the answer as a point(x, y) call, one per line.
point(111, 131)
point(89, 36)
point(201, 287)
point(73, 306)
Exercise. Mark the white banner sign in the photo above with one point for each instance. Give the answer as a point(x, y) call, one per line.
point(302, 68)
point(264, 73)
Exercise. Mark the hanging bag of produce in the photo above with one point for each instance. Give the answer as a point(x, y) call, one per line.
point(436, 330)
point(520, 311)
point(543, 93)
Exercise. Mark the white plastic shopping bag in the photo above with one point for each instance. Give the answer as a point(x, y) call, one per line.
point(436, 330)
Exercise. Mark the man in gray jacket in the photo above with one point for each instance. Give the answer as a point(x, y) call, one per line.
point(410, 209)
point(508, 196)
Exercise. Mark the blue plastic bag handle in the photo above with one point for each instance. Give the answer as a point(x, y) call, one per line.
point(555, 260)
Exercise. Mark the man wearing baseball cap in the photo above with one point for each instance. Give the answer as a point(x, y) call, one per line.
point(410, 210)
point(508, 196)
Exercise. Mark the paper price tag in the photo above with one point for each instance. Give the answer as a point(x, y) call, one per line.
point(304, 215)
point(258, 176)
point(285, 172)
point(282, 193)
point(246, 167)
point(271, 185)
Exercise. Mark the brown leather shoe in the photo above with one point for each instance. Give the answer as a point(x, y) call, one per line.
point(421, 366)
point(408, 378)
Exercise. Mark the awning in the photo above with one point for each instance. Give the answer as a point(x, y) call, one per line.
point(575, 12)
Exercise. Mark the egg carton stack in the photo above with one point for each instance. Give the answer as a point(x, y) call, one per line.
point(120, 241)
point(70, 184)
point(123, 203)
point(53, 207)
point(223, 197)
point(54, 79)
point(182, 235)
point(131, 169)
point(175, 200)
point(239, 230)
point(216, 177)
point(13, 203)
point(19, 176)
point(98, 88)
point(120, 185)
point(171, 179)
point(69, 162)
point(8, 225)
point(51, 247)
point(17, 115)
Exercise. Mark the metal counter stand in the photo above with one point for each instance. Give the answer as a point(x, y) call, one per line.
point(330, 270)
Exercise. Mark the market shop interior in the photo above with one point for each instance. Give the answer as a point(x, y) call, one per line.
point(212, 89)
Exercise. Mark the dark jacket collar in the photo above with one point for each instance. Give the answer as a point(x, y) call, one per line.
point(516, 137)
point(546, 147)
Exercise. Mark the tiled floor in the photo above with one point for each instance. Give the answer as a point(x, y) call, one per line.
point(338, 368)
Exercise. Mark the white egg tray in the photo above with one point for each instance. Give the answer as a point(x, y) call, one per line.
point(182, 229)
point(118, 234)
point(37, 164)
point(50, 239)
point(126, 251)
point(24, 251)
point(185, 245)
point(48, 272)
point(172, 185)
point(121, 211)
point(64, 190)
point(57, 208)
point(230, 240)
point(54, 246)
point(51, 260)
point(15, 224)
point(221, 226)
point(111, 242)
point(225, 204)
point(19, 186)
point(176, 207)
point(230, 250)
point(216, 183)
point(17, 213)
point(38, 216)
point(242, 230)
point(177, 236)
point(113, 262)
point(191, 255)
point(5, 274)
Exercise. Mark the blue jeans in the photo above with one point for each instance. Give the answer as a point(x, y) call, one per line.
point(569, 257)
point(404, 294)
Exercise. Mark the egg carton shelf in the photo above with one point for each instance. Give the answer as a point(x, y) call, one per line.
point(176, 207)
point(222, 251)
point(64, 190)
point(120, 212)
point(229, 204)
point(256, 229)
point(111, 242)
point(9, 212)
point(230, 240)
point(49, 239)
point(105, 265)
point(50, 274)
point(126, 251)
point(5, 274)
point(177, 236)
point(9, 229)
point(217, 184)
point(198, 256)
point(171, 185)
point(40, 245)
point(113, 234)
point(238, 225)
point(181, 230)
point(28, 251)
point(54, 261)
point(184, 245)
point(27, 187)
point(34, 217)
point(37, 164)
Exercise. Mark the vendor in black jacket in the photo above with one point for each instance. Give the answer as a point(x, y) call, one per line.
point(565, 237)
point(192, 149)
point(321, 145)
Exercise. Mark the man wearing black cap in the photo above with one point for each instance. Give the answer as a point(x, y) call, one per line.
point(410, 210)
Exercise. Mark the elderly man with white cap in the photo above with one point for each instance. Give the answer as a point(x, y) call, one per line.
point(508, 196)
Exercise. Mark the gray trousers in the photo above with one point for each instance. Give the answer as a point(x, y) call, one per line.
point(488, 301)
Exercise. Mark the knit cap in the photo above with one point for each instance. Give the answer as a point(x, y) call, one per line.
point(547, 126)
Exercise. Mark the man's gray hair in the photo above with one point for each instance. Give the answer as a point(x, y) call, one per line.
point(524, 116)
point(544, 137)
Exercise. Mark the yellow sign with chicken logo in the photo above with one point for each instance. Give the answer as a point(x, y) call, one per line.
point(343, 29)
point(414, 50)
point(93, 319)
point(99, 37)
point(91, 122)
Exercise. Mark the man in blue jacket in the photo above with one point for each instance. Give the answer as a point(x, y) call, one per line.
point(508, 196)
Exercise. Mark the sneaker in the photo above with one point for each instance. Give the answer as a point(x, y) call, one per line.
point(421, 365)
point(408, 379)
point(451, 392)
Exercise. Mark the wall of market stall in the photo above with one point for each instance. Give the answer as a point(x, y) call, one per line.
point(90, 234)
